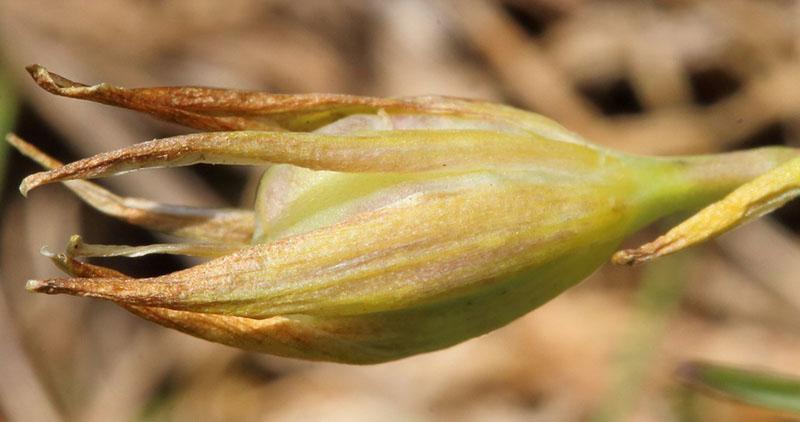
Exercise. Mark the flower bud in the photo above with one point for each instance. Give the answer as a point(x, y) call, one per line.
point(382, 228)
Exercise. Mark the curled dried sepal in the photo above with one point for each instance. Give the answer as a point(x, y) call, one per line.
point(290, 336)
point(207, 224)
point(77, 248)
point(217, 109)
point(752, 200)
point(382, 151)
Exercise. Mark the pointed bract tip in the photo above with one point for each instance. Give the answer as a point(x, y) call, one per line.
point(45, 286)
point(25, 186)
point(53, 82)
point(42, 77)
point(13, 139)
point(32, 182)
point(630, 257)
point(45, 251)
point(35, 285)
point(35, 69)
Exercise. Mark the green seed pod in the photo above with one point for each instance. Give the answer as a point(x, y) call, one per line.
point(382, 228)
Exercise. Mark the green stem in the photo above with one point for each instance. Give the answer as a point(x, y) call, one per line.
point(688, 183)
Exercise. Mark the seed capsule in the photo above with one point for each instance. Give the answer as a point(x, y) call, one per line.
point(382, 228)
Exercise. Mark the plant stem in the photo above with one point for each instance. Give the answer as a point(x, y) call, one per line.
point(688, 183)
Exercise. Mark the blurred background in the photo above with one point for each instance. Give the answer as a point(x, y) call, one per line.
point(653, 77)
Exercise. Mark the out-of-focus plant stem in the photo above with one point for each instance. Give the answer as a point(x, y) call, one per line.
point(8, 114)
point(22, 395)
point(661, 290)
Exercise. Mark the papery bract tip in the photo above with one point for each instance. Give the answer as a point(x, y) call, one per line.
point(28, 184)
point(39, 286)
point(52, 82)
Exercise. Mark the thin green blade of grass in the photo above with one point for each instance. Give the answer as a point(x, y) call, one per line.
point(756, 388)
